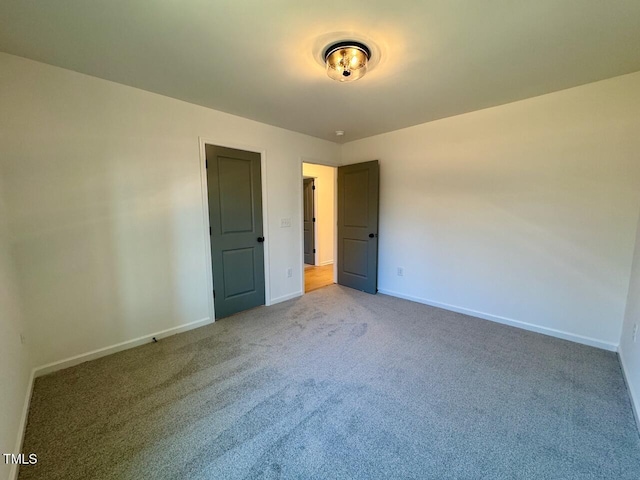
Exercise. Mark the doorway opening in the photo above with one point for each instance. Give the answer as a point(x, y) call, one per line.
point(319, 221)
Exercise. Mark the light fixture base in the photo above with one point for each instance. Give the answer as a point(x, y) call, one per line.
point(346, 44)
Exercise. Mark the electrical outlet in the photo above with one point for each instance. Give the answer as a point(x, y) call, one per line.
point(401, 271)
point(289, 272)
point(285, 222)
point(635, 332)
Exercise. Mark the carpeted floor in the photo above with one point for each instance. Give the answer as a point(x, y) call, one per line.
point(336, 385)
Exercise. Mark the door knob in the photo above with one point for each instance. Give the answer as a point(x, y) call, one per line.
point(260, 239)
point(371, 235)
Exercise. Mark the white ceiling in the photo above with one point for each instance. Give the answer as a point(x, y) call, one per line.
point(256, 58)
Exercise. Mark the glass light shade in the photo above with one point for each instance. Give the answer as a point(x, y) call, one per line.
point(347, 61)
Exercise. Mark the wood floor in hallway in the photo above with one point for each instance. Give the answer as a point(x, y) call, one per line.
point(317, 277)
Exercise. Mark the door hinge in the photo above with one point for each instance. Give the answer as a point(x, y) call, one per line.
point(214, 294)
point(314, 219)
point(314, 250)
point(206, 163)
point(209, 230)
point(313, 187)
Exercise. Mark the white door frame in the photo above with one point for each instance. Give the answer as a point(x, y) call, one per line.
point(205, 213)
point(301, 216)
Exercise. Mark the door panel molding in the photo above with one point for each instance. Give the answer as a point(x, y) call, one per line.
point(202, 142)
point(234, 259)
point(228, 167)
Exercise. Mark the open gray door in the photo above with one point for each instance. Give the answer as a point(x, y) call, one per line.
point(309, 222)
point(358, 226)
point(235, 218)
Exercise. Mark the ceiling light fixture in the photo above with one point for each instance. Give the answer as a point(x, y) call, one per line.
point(347, 61)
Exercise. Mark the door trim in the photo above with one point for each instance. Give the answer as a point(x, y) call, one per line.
point(202, 141)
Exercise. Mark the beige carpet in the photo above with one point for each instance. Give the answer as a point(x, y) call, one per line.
point(339, 384)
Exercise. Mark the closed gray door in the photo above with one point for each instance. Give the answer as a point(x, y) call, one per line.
point(235, 216)
point(309, 222)
point(358, 226)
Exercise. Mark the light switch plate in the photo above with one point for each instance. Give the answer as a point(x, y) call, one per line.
point(285, 222)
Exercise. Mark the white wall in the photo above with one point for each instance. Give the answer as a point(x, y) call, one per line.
point(107, 215)
point(524, 213)
point(325, 179)
point(14, 358)
point(630, 350)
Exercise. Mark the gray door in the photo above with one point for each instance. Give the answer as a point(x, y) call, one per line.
point(309, 222)
point(358, 226)
point(235, 217)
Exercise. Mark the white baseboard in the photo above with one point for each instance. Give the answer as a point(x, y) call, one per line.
point(592, 342)
point(284, 298)
point(102, 352)
point(328, 262)
point(635, 402)
point(85, 357)
point(22, 427)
